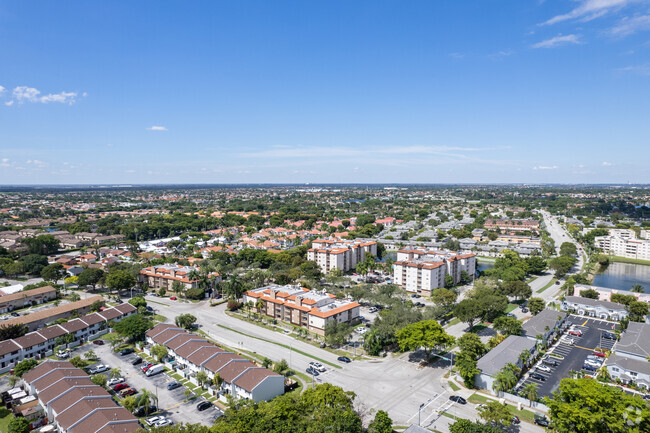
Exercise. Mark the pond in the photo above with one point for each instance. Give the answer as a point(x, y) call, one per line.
point(623, 276)
point(481, 266)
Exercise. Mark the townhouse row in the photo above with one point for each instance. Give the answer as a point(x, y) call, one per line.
point(629, 361)
point(422, 270)
point(41, 343)
point(191, 354)
point(302, 307)
point(26, 298)
point(73, 403)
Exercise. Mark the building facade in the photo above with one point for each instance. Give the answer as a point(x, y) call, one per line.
point(339, 254)
point(594, 308)
point(301, 307)
point(164, 276)
point(624, 244)
point(26, 298)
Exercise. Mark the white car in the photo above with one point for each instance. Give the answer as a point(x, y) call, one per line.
point(545, 368)
point(115, 381)
point(154, 419)
point(568, 340)
point(99, 369)
point(164, 422)
point(317, 366)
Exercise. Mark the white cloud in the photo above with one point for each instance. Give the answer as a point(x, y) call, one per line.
point(558, 41)
point(37, 163)
point(2, 89)
point(546, 167)
point(607, 164)
point(501, 55)
point(156, 128)
point(638, 69)
point(588, 10)
point(627, 25)
point(23, 94)
point(4, 162)
point(317, 152)
point(130, 171)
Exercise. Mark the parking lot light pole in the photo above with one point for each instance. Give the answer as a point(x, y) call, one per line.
point(419, 410)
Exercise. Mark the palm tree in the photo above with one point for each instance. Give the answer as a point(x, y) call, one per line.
point(248, 306)
point(145, 400)
point(637, 288)
point(504, 380)
point(530, 390)
point(217, 380)
point(259, 304)
point(524, 357)
point(115, 372)
point(603, 372)
point(202, 378)
point(13, 380)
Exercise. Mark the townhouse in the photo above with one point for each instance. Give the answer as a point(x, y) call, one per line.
point(302, 307)
point(26, 298)
point(594, 308)
point(423, 270)
point(340, 254)
point(40, 319)
point(544, 326)
point(191, 354)
point(164, 276)
point(41, 343)
point(513, 225)
point(73, 403)
point(605, 293)
point(629, 361)
point(507, 352)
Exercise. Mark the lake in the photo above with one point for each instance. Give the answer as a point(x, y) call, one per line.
point(623, 276)
point(481, 266)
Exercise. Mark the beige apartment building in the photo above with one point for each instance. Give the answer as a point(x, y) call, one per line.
point(340, 254)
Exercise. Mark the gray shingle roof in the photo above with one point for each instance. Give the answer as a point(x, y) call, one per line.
point(629, 364)
point(537, 324)
point(635, 340)
point(594, 303)
point(507, 351)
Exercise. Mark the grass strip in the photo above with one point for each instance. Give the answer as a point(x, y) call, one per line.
point(282, 345)
point(550, 283)
point(524, 415)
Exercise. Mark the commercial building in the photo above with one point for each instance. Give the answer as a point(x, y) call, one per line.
point(26, 298)
point(192, 353)
point(41, 318)
point(340, 254)
point(164, 276)
point(508, 351)
point(594, 308)
point(422, 270)
point(73, 403)
point(41, 343)
point(624, 244)
point(302, 307)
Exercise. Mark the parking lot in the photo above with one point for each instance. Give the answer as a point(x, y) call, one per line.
point(171, 403)
point(573, 356)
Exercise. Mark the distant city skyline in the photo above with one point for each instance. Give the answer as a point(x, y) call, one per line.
point(553, 91)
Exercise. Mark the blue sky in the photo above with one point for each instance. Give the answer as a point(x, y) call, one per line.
point(325, 91)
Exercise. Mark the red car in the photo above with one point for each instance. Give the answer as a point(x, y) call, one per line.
point(120, 387)
point(127, 392)
point(575, 332)
point(147, 367)
point(173, 298)
point(600, 354)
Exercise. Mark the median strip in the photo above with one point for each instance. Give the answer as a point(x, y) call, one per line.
point(282, 345)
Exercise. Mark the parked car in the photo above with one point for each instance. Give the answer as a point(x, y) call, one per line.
point(589, 367)
point(142, 412)
point(415, 295)
point(173, 298)
point(511, 315)
point(15, 314)
point(204, 405)
point(155, 369)
point(595, 359)
point(609, 336)
point(98, 342)
point(173, 385)
point(115, 381)
point(568, 340)
point(600, 354)
point(154, 419)
point(524, 310)
point(318, 366)
point(99, 369)
point(127, 392)
point(344, 359)
point(576, 332)
point(312, 371)
point(516, 420)
point(542, 422)
point(537, 376)
point(137, 360)
point(126, 351)
point(458, 399)
point(543, 367)
point(120, 387)
point(150, 309)
point(63, 354)
point(164, 422)
point(550, 362)
point(146, 367)
point(373, 309)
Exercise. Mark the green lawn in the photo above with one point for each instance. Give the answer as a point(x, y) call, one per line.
point(511, 307)
point(453, 385)
point(453, 321)
point(5, 417)
point(626, 260)
point(524, 415)
point(553, 281)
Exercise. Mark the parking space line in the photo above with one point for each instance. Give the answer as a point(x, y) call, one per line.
point(585, 322)
point(174, 406)
point(584, 348)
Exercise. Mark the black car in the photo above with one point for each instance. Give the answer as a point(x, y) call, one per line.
point(524, 310)
point(149, 308)
point(542, 422)
point(458, 399)
point(609, 336)
point(173, 385)
point(537, 376)
point(126, 351)
point(344, 359)
point(312, 371)
point(15, 314)
point(137, 360)
point(550, 362)
point(204, 405)
point(141, 411)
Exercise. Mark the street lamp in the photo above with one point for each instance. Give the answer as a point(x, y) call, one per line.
point(419, 410)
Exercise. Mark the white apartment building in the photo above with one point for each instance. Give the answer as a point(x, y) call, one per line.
point(341, 254)
point(627, 246)
point(422, 271)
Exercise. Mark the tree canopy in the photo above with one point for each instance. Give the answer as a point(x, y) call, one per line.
point(427, 334)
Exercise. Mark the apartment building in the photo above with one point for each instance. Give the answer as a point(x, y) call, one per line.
point(40, 343)
point(39, 319)
point(303, 307)
point(621, 245)
point(26, 298)
point(163, 276)
point(594, 308)
point(73, 403)
point(514, 225)
point(341, 254)
point(192, 353)
point(605, 293)
point(423, 270)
